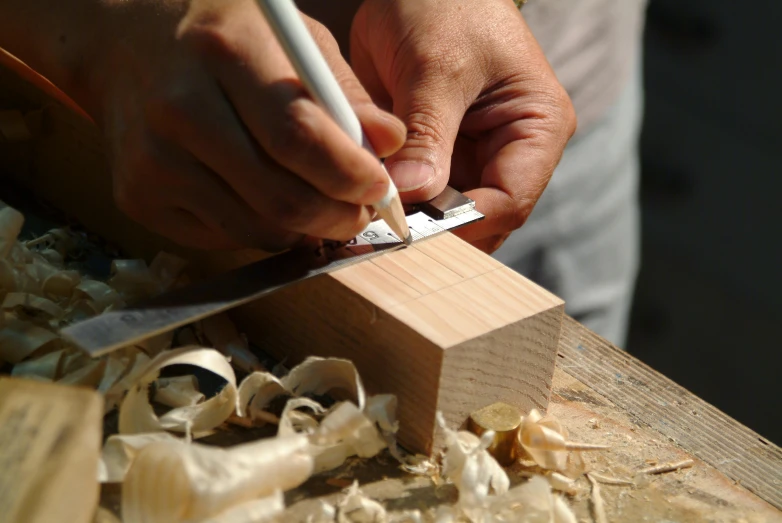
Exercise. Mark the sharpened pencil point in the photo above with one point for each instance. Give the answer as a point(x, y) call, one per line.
point(409, 239)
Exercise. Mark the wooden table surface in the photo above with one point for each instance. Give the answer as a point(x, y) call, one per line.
point(603, 395)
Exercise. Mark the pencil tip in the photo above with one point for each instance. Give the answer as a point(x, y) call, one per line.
point(409, 239)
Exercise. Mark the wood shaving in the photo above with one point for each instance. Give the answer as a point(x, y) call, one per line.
point(136, 414)
point(610, 480)
point(173, 481)
point(221, 333)
point(544, 439)
point(598, 507)
point(668, 467)
point(178, 391)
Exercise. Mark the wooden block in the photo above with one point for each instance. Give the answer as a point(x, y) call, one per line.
point(441, 325)
point(50, 441)
point(466, 333)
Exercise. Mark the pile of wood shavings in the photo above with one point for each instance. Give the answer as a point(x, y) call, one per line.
point(168, 477)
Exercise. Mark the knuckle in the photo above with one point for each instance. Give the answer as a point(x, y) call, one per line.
point(449, 64)
point(518, 214)
point(567, 113)
point(211, 40)
point(424, 126)
point(322, 36)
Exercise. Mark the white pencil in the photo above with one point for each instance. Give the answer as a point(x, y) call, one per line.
point(314, 73)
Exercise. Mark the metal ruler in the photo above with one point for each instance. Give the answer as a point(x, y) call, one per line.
point(115, 329)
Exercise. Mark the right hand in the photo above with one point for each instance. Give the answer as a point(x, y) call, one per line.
point(213, 142)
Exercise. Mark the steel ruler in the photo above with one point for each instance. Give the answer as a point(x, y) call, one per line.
point(114, 329)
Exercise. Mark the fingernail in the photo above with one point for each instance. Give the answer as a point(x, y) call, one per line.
point(409, 176)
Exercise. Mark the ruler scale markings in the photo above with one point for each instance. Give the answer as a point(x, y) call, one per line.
point(114, 329)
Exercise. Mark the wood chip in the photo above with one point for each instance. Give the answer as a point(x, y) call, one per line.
point(572, 445)
point(597, 501)
point(610, 480)
point(668, 467)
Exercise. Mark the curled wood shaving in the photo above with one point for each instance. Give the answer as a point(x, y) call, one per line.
point(173, 481)
point(321, 376)
point(261, 388)
point(343, 433)
point(178, 391)
point(120, 450)
point(137, 416)
point(544, 439)
point(221, 333)
point(470, 467)
point(355, 507)
point(467, 463)
point(39, 295)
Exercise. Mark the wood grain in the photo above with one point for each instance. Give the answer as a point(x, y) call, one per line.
point(686, 420)
point(50, 439)
point(441, 324)
point(453, 334)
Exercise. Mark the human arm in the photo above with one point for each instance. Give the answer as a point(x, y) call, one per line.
point(211, 139)
point(483, 109)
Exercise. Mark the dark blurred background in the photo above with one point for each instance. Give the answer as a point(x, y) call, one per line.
point(708, 308)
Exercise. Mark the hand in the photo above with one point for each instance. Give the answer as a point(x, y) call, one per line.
point(212, 141)
point(483, 109)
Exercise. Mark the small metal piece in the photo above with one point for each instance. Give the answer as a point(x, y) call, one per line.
point(505, 421)
point(447, 204)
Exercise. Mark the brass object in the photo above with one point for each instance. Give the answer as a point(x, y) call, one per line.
point(505, 421)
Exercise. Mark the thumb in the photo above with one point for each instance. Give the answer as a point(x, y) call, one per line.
point(432, 112)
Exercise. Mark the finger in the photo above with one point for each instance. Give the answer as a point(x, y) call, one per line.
point(511, 183)
point(187, 230)
point(207, 197)
point(203, 122)
point(262, 86)
point(385, 131)
point(432, 109)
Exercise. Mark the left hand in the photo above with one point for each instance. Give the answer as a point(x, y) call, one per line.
point(483, 108)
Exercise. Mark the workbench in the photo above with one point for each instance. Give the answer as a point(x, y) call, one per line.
point(604, 395)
